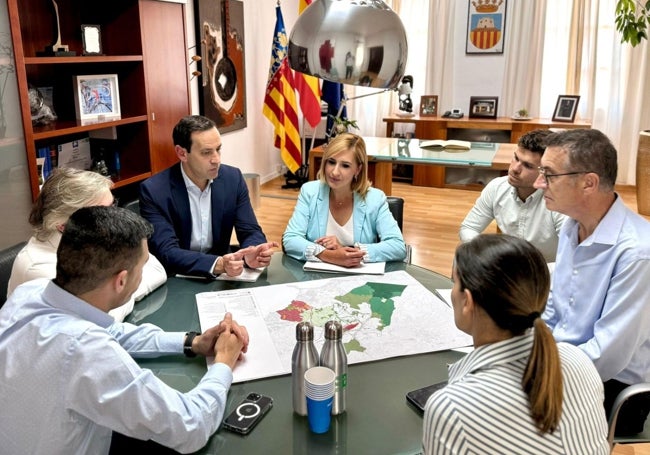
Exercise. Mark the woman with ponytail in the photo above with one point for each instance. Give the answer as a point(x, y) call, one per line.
point(517, 391)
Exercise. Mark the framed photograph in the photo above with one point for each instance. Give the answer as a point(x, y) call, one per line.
point(428, 105)
point(97, 98)
point(483, 106)
point(91, 39)
point(565, 108)
point(486, 26)
point(220, 30)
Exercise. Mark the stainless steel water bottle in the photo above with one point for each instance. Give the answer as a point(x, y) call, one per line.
point(333, 356)
point(304, 357)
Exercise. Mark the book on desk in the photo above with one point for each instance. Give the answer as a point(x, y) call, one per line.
point(448, 145)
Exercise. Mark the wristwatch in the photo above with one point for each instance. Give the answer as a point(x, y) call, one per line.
point(187, 345)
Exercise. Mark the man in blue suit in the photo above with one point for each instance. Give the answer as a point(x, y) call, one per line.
point(195, 204)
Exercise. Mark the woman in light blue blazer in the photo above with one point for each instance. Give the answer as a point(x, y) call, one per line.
point(340, 218)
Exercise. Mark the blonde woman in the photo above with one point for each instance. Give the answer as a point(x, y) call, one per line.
point(65, 191)
point(340, 218)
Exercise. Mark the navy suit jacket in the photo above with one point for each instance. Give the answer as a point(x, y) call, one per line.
point(165, 204)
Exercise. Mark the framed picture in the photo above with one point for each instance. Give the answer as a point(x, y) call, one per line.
point(483, 106)
point(486, 26)
point(565, 108)
point(220, 30)
point(97, 98)
point(91, 39)
point(428, 105)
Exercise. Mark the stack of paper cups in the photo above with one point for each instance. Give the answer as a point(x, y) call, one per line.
point(319, 390)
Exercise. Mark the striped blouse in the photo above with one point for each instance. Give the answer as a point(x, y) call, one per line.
point(484, 409)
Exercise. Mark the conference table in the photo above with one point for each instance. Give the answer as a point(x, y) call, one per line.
point(430, 165)
point(377, 420)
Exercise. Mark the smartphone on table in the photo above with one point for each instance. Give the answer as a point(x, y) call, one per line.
point(248, 413)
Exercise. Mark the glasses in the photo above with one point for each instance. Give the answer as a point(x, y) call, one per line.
point(547, 177)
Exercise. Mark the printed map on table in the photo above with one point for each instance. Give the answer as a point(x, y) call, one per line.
point(382, 316)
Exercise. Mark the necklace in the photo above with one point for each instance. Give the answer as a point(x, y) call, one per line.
point(339, 203)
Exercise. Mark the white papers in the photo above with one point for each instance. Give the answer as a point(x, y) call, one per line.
point(249, 275)
point(75, 154)
point(366, 268)
point(262, 358)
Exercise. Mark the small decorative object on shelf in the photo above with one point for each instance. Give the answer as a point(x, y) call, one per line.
point(404, 90)
point(521, 114)
point(58, 49)
point(566, 108)
point(429, 105)
point(97, 98)
point(40, 106)
point(483, 106)
point(92, 39)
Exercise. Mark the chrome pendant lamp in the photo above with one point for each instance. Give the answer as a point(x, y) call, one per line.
point(355, 42)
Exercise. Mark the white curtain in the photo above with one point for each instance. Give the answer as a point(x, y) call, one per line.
point(440, 52)
point(523, 57)
point(583, 55)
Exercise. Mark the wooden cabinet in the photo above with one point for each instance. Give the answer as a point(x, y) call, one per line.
point(143, 42)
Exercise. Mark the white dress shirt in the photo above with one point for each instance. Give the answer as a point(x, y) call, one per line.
point(529, 219)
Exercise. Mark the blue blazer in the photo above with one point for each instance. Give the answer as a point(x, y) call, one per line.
point(374, 224)
point(165, 204)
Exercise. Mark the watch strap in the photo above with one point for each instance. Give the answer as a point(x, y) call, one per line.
point(187, 345)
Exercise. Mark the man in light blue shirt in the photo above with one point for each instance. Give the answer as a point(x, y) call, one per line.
point(66, 368)
point(599, 297)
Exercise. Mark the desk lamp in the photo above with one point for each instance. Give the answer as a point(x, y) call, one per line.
point(354, 42)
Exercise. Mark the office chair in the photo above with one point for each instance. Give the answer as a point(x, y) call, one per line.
point(396, 207)
point(622, 397)
point(134, 206)
point(7, 257)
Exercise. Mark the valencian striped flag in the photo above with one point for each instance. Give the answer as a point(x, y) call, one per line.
point(307, 87)
point(280, 99)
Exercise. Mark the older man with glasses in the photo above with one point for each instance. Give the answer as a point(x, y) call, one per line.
point(599, 295)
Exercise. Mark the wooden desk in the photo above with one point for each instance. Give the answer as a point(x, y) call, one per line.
point(437, 127)
point(380, 171)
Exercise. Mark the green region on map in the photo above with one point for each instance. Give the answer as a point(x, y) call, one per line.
point(347, 309)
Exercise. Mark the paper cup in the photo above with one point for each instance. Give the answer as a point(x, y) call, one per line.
point(319, 392)
point(319, 414)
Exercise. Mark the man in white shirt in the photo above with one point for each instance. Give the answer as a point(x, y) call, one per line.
point(517, 207)
point(66, 367)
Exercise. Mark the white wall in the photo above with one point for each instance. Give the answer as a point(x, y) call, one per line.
point(251, 149)
point(475, 74)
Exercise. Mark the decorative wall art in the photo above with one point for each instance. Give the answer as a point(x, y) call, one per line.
point(486, 26)
point(220, 30)
point(97, 98)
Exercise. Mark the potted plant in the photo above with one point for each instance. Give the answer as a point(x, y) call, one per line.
point(342, 125)
point(632, 24)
